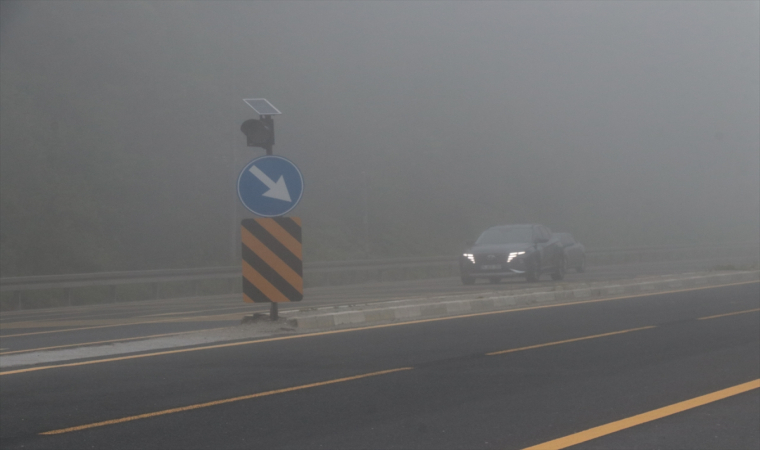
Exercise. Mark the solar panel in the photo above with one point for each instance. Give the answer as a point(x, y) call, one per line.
point(262, 106)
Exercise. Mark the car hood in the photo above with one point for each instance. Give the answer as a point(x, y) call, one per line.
point(499, 248)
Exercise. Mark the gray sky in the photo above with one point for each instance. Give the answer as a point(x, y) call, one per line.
point(627, 106)
point(619, 121)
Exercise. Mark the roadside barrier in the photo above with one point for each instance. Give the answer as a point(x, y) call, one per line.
point(430, 308)
point(61, 290)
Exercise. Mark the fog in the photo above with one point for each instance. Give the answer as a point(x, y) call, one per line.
point(625, 123)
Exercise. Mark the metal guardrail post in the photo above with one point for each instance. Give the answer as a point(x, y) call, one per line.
point(273, 312)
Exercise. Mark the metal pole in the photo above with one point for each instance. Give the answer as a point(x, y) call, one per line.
point(267, 120)
point(366, 215)
point(235, 242)
point(273, 312)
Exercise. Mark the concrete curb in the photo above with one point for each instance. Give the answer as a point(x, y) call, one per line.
point(399, 311)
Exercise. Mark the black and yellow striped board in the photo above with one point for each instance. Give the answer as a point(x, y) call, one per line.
point(272, 260)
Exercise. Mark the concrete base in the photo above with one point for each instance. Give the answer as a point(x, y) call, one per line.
point(406, 310)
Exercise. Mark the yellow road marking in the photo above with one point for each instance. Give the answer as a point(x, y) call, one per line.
point(619, 425)
point(730, 314)
point(105, 342)
point(246, 308)
point(567, 341)
point(139, 311)
point(227, 316)
point(67, 329)
point(207, 347)
point(349, 330)
point(30, 325)
point(279, 391)
point(93, 312)
point(62, 323)
point(104, 322)
point(562, 442)
point(221, 402)
point(175, 313)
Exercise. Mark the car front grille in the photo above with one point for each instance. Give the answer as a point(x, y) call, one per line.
point(490, 258)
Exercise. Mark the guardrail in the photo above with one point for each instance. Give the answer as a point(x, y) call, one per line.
point(323, 273)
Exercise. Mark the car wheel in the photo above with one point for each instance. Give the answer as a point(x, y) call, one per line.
point(494, 280)
point(534, 271)
point(559, 270)
point(582, 266)
point(468, 280)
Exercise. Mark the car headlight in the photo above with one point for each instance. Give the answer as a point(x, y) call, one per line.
point(513, 255)
point(470, 256)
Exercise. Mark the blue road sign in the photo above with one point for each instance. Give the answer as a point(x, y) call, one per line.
point(270, 186)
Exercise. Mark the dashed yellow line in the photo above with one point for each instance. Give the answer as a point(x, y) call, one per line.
point(81, 344)
point(27, 324)
point(77, 313)
point(228, 316)
point(349, 330)
point(730, 314)
point(245, 308)
point(560, 443)
point(614, 427)
point(530, 347)
point(555, 444)
point(280, 391)
point(221, 402)
point(105, 323)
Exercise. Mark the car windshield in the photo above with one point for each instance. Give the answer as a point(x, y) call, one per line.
point(505, 236)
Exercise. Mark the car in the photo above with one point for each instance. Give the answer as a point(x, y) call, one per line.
point(575, 252)
point(513, 250)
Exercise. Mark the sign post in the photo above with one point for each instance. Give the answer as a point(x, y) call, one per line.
point(270, 187)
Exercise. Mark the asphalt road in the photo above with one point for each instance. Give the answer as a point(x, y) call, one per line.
point(60, 328)
point(508, 379)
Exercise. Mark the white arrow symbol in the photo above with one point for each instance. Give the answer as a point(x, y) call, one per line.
point(276, 190)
